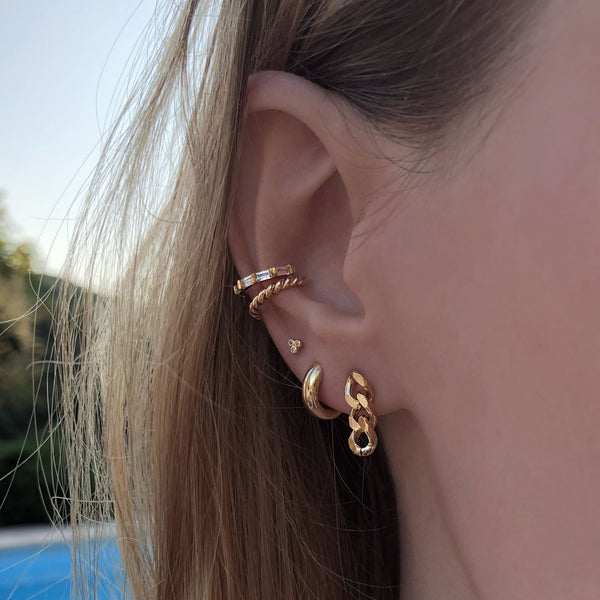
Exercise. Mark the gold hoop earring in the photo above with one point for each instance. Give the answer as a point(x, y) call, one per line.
point(362, 420)
point(273, 288)
point(310, 394)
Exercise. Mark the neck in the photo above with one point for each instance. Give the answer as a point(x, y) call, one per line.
point(432, 567)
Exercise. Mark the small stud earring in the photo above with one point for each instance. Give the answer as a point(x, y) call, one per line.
point(294, 345)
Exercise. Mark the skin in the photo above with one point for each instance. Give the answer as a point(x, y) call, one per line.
point(469, 299)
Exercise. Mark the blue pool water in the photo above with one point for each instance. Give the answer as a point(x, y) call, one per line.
point(34, 573)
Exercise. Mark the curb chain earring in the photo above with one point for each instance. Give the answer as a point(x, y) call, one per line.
point(362, 420)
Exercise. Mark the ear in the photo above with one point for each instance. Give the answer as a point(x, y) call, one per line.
point(307, 172)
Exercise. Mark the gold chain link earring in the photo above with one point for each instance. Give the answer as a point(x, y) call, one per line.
point(362, 420)
point(310, 394)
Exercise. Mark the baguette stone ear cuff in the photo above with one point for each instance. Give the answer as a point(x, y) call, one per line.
point(245, 282)
point(290, 280)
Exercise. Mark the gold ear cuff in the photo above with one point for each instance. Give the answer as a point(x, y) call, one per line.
point(245, 282)
point(274, 288)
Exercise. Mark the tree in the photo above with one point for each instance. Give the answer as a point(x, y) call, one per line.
point(26, 307)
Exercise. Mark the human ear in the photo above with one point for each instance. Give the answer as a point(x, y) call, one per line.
point(304, 178)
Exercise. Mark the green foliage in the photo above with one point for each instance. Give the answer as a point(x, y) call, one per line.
point(26, 339)
point(27, 489)
point(27, 302)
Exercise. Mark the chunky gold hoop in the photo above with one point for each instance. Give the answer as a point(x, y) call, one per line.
point(361, 419)
point(273, 288)
point(310, 394)
point(245, 282)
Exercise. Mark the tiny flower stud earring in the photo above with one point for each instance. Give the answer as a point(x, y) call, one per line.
point(294, 345)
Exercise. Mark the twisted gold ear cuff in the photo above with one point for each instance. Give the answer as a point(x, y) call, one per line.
point(273, 288)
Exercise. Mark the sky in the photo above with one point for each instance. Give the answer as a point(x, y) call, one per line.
point(61, 64)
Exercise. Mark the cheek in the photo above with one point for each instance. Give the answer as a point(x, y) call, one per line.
point(488, 315)
point(496, 287)
point(488, 312)
point(496, 274)
point(538, 182)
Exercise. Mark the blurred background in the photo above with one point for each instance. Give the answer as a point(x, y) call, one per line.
point(62, 80)
point(62, 75)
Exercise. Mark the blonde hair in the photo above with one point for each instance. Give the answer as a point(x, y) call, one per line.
point(181, 420)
